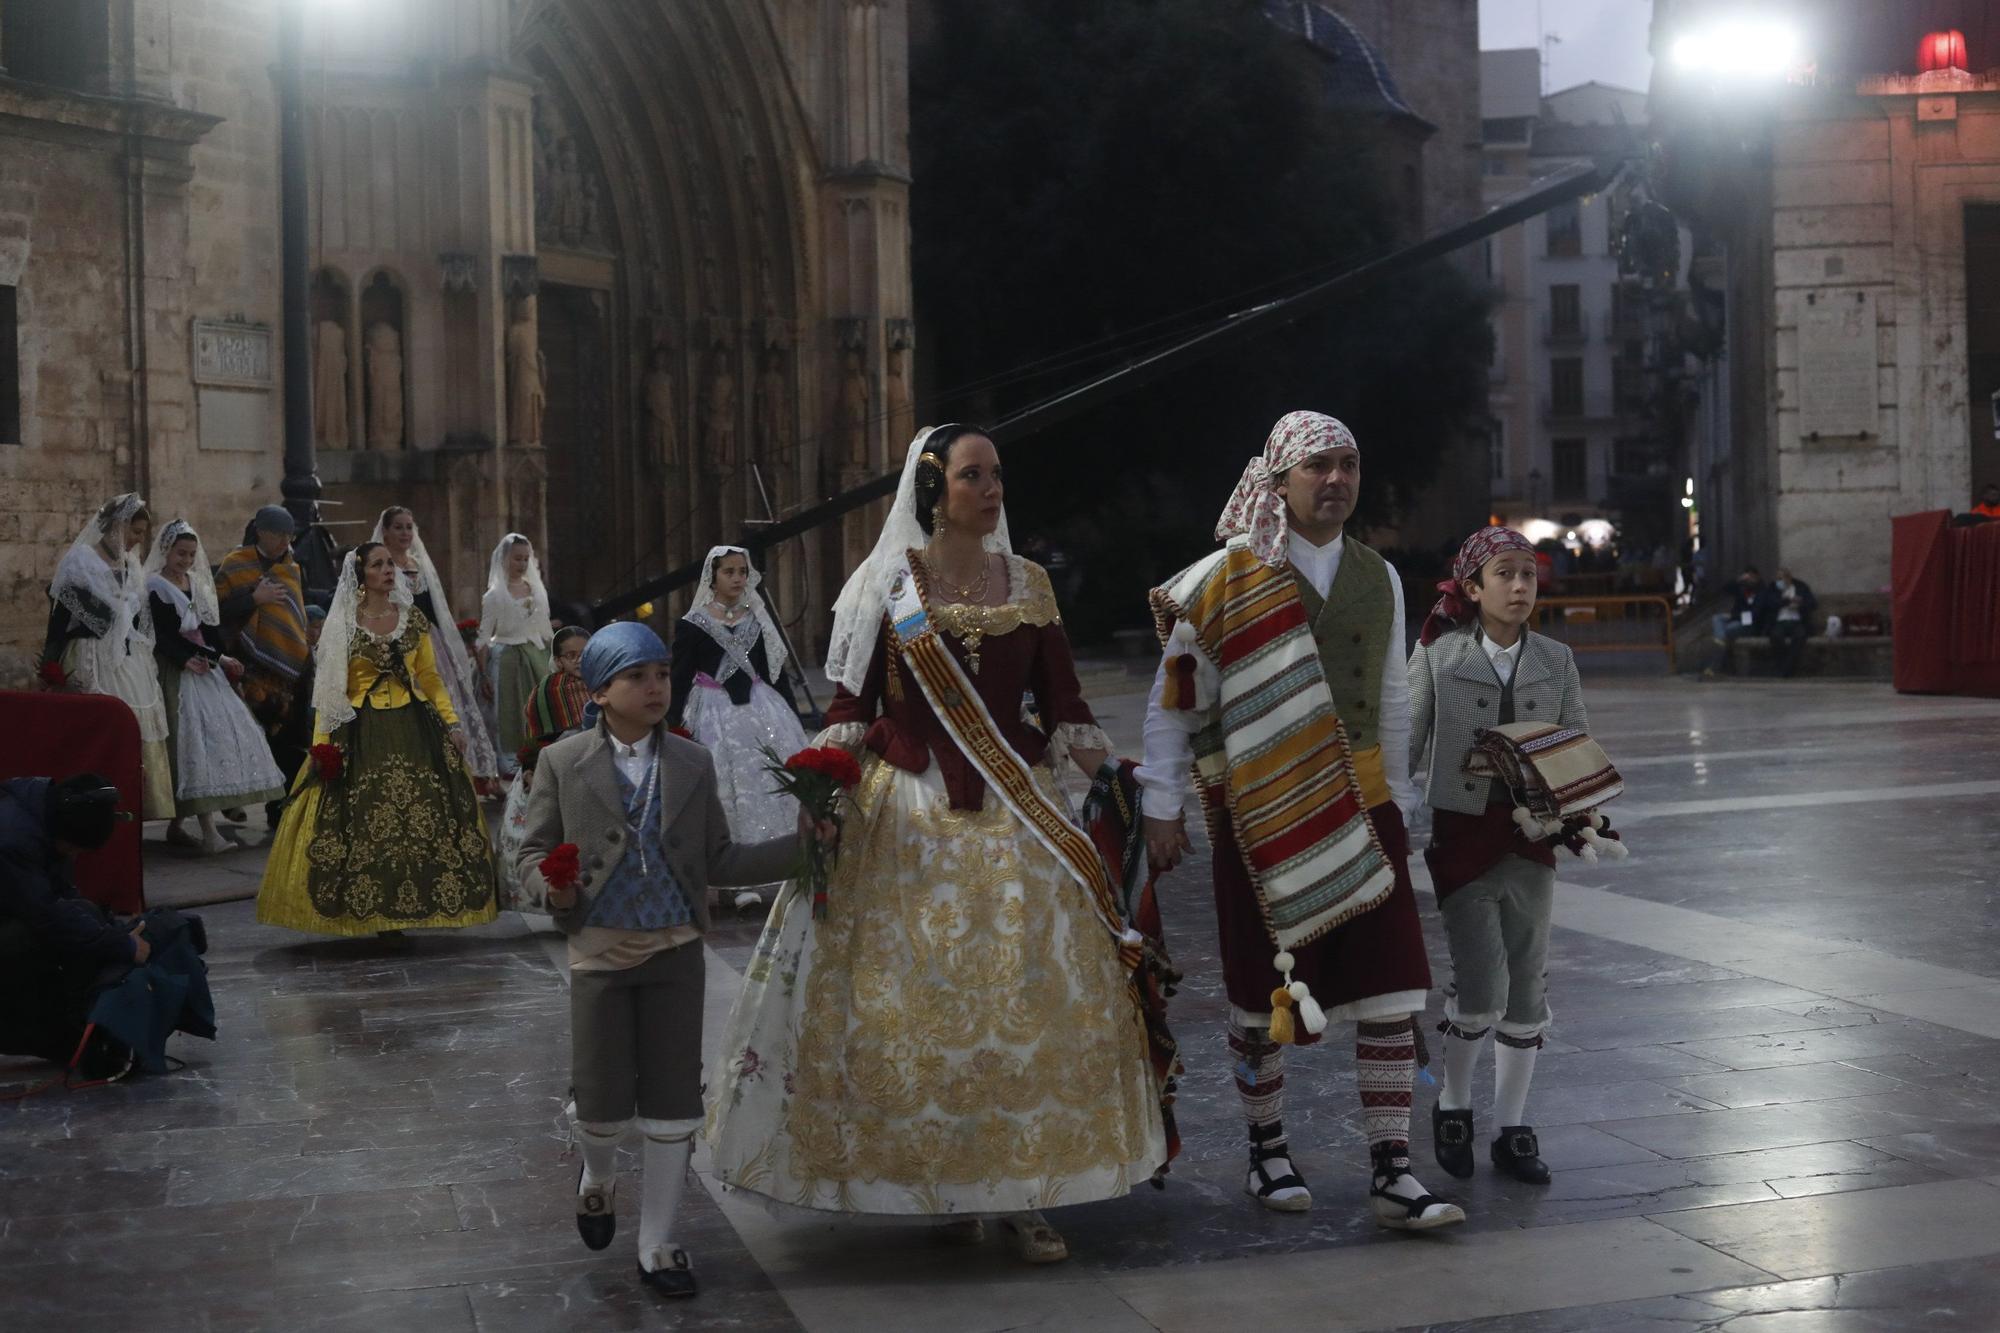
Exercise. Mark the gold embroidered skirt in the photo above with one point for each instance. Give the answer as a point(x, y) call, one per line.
point(396, 842)
point(956, 1037)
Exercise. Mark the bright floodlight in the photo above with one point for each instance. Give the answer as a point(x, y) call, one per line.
point(1740, 48)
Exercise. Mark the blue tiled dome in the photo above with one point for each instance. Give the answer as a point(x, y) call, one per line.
point(1355, 76)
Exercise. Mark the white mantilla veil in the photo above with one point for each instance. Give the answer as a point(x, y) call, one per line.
point(496, 581)
point(704, 593)
point(97, 592)
point(332, 708)
point(201, 579)
point(454, 642)
point(857, 612)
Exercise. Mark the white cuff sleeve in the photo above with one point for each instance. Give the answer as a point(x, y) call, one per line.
point(1165, 776)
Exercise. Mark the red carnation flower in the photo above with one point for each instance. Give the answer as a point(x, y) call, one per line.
point(561, 865)
point(828, 761)
point(468, 626)
point(328, 761)
point(681, 732)
point(52, 674)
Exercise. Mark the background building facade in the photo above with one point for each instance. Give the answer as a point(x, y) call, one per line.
point(601, 272)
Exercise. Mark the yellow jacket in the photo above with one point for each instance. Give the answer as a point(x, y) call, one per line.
point(371, 683)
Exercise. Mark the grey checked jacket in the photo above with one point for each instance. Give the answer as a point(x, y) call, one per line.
point(1454, 692)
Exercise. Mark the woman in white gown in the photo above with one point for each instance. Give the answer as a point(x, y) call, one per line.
point(221, 757)
point(731, 695)
point(101, 632)
point(397, 530)
point(958, 1037)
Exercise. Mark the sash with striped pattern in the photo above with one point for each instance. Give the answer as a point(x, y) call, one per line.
point(958, 706)
point(1275, 747)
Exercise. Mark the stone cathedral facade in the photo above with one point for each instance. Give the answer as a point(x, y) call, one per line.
point(624, 275)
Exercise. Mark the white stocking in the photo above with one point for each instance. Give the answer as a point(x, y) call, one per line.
point(1461, 1055)
point(1513, 1070)
point(660, 1197)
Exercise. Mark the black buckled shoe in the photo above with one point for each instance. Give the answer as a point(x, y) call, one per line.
point(674, 1278)
point(596, 1212)
point(1519, 1153)
point(1451, 1140)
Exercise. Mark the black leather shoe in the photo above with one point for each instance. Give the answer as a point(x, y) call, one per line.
point(673, 1278)
point(1451, 1140)
point(596, 1213)
point(1519, 1153)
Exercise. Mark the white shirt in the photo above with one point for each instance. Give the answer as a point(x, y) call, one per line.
point(634, 761)
point(507, 619)
point(1170, 735)
point(1504, 659)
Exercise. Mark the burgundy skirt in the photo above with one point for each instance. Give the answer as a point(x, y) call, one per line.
point(1379, 952)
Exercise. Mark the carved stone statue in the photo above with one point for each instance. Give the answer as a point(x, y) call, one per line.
point(662, 432)
point(902, 424)
point(527, 376)
point(719, 414)
point(855, 397)
point(330, 385)
point(773, 408)
point(383, 361)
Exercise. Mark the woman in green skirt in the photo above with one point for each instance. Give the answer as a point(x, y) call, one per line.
point(382, 831)
point(515, 631)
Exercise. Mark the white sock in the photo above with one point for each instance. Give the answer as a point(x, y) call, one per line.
point(1513, 1070)
point(660, 1194)
point(1460, 1056)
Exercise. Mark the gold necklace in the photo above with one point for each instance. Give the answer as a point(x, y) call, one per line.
point(976, 594)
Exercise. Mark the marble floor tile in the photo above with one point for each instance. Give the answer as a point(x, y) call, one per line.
point(1381, 1286)
point(1791, 1083)
point(1838, 1233)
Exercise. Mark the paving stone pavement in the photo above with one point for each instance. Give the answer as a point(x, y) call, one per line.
point(1768, 1101)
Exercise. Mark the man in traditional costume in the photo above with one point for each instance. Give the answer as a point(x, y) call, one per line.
point(1284, 692)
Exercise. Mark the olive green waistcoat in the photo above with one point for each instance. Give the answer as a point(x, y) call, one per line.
point(1351, 627)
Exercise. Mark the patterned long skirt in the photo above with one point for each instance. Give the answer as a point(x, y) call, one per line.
point(956, 1037)
point(395, 842)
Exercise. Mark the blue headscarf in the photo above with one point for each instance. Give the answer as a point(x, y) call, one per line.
point(617, 647)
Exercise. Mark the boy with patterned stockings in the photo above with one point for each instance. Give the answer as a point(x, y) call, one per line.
point(1477, 665)
point(1282, 692)
point(635, 811)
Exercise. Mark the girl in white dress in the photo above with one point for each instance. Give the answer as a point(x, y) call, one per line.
point(220, 755)
point(730, 694)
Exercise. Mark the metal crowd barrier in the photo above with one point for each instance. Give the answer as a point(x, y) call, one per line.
point(1634, 623)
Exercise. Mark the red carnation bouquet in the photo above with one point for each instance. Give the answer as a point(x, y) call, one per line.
point(52, 675)
point(560, 867)
point(328, 761)
point(817, 776)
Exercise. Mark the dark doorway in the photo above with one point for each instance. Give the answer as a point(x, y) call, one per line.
point(1982, 344)
point(583, 560)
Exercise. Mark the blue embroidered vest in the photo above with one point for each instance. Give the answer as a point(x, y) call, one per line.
point(641, 892)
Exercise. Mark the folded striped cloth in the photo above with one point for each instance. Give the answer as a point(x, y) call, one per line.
point(1558, 777)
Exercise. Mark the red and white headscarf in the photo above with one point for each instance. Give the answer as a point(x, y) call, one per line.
point(1453, 607)
point(1255, 507)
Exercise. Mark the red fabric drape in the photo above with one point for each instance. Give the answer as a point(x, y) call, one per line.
point(55, 735)
point(1946, 618)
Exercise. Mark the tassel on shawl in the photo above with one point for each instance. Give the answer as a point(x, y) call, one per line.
point(1293, 995)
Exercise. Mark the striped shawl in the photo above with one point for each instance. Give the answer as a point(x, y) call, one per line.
point(273, 639)
point(1274, 746)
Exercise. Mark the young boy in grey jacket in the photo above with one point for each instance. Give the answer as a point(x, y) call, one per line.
point(1478, 665)
point(639, 806)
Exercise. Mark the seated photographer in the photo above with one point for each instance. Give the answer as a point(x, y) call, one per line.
point(53, 941)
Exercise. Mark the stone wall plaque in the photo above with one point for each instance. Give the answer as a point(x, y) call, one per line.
point(238, 420)
point(233, 354)
point(1837, 382)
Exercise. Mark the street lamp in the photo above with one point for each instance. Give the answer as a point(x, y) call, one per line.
point(300, 486)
